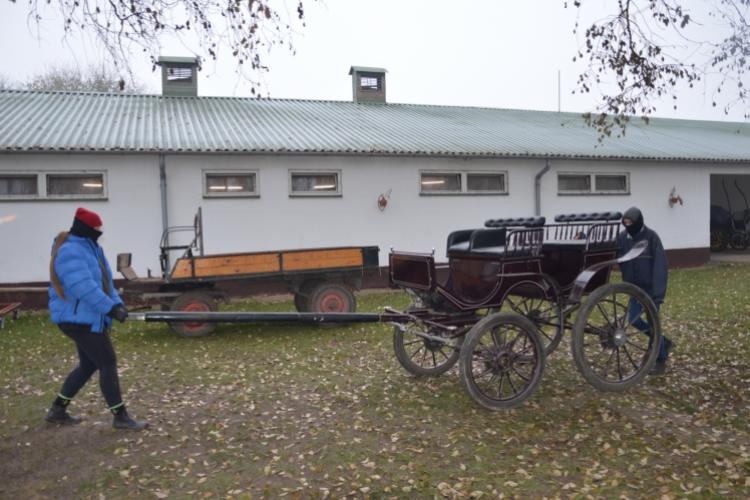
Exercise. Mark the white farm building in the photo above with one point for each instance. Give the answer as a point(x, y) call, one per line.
point(288, 174)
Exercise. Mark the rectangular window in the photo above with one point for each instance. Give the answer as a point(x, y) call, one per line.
point(18, 186)
point(580, 183)
point(55, 185)
point(303, 183)
point(472, 182)
point(230, 184)
point(75, 185)
point(370, 83)
point(177, 74)
point(485, 183)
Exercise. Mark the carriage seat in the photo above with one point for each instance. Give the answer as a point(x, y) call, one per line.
point(588, 217)
point(477, 241)
point(516, 222)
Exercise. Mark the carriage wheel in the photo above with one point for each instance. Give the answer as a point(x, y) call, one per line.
point(332, 298)
point(502, 361)
point(193, 302)
point(718, 240)
point(609, 351)
point(529, 300)
point(302, 298)
point(420, 356)
point(738, 241)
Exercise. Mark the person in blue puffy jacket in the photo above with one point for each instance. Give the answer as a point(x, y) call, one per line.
point(82, 303)
point(648, 272)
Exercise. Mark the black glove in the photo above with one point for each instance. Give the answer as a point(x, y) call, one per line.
point(119, 313)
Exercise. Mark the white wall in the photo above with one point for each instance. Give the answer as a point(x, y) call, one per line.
point(681, 226)
point(131, 215)
point(275, 221)
point(410, 222)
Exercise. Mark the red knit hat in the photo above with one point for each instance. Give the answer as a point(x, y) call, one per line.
point(88, 217)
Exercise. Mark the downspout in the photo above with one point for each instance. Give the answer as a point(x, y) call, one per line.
point(164, 218)
point(538, 187)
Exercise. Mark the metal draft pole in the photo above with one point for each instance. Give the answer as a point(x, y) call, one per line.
point(164, 218)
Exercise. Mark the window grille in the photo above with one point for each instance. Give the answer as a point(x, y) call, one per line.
point(179, 74)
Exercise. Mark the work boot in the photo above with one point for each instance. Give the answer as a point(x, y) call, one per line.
point(124, 422)
point(659, 367)
point(58, 414)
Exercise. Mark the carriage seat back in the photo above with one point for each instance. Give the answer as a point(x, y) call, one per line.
point(588, 217)
point(516, 222)
point(486, 241)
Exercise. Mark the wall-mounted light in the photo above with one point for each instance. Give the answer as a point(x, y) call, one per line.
point(674, 198)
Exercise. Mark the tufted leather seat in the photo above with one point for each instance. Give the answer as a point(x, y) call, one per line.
point(477, 241)
point(516, 222)
point(588, 217)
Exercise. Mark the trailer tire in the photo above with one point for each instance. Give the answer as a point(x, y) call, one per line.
point(302, 297)
point(332, 298)
point(193, 302)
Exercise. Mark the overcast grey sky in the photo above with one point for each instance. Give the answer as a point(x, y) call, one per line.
point(489, 53)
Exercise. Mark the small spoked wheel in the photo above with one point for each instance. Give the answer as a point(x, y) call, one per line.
point(739, 241)
point(502, 361)
point(719, 240)
point(530, 301)
point(616, 337)
point(420, 356)
point(193, 302)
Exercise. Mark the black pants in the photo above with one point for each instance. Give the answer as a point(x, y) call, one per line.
point(95, 352)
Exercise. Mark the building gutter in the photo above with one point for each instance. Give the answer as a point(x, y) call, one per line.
point(456, 156)
point(538, 187)
point(163, 187)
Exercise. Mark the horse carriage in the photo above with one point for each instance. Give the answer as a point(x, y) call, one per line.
point(513, 288)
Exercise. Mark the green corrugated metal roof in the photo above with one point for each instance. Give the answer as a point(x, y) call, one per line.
point(74, 121)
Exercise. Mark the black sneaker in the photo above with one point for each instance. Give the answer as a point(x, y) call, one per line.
point(667, 345)
point(58, 414)
point(659, 367)
point(124, 422)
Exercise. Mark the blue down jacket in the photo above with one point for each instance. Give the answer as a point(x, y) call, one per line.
point(649, 270)
point(77, 267)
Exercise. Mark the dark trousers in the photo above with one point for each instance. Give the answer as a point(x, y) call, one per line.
point(95, 352)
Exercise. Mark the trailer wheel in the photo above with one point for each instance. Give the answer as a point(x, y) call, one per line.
point(738, 241)
point(193, 302)
point(332, 298)
point(302, 298)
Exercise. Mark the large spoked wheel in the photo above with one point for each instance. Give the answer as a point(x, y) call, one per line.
point(616, 337)
point(719, 240)
point(530, 301)
point(502, 361)
point(420, 356)
point(193, 302)
point(302, 297)
point(738, 241)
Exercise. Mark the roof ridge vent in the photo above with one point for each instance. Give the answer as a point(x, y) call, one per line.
point(179, 76)
point(368, 84)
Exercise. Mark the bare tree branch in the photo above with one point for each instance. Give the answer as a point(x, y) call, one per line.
point(638, 56)
point(245, 28)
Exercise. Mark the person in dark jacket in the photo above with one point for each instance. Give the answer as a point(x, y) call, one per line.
point(648, 272)
point(82, 303)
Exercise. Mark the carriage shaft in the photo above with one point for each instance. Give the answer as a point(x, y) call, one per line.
point(263, 317)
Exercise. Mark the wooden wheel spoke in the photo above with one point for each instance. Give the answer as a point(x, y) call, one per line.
point(520, 375)
point(644, 349)
point(492, 379)
point(604, 313)
point(416, 352)
point(434, 359)
point(609, 363)
point(600, 341)
point(512, 385)
point(630, 358)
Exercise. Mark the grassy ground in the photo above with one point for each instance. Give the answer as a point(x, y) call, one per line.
point(260, 411)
